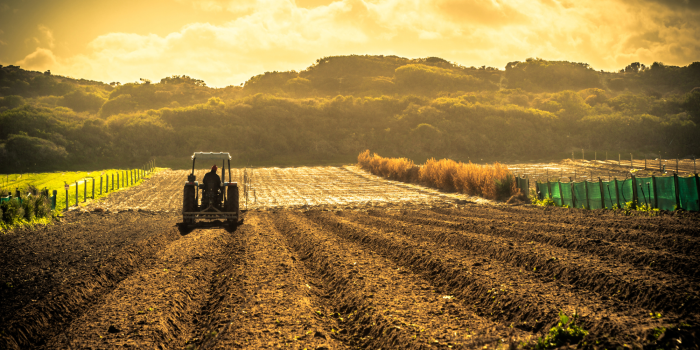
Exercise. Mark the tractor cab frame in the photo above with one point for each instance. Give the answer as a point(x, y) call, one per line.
point(218, 201)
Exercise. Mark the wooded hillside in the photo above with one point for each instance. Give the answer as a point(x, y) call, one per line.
point(340, 106)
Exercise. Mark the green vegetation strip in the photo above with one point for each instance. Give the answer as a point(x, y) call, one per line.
point(105, 182)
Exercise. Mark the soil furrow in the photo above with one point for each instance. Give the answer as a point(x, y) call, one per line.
point(607, 249)
point(383, 305)
point(633, 228)
point(501, 292)
point(264, 299)
point(611, 279)
point(35, 323)
point(155, 305)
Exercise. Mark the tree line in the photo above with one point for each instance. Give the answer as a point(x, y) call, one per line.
point(340, 106)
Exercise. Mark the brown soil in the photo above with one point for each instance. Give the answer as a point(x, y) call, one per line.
point(330, 264)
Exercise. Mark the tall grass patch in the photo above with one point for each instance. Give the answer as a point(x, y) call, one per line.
point(26, 210)
point(487, 181)
point(401, 169)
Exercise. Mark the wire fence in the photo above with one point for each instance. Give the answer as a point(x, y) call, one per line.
point(90, 187)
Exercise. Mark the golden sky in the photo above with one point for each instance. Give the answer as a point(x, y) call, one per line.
point(225, 42)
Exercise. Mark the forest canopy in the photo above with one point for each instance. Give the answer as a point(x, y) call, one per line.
point(342, 105)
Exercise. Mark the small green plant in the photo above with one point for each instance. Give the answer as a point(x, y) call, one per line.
point(658, 331)
point(547, 202)
point(648, 209)
point(565, 332)
point(533, 196)
point(655, 315)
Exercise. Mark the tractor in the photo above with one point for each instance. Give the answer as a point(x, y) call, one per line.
point(218, 199)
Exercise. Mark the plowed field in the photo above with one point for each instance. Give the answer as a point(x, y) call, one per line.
point(334, 258)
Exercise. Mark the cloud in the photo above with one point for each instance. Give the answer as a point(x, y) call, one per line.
point(482, 12)
point(47, 35)
point(267, 35)
point(675, 4)
point(41, 59)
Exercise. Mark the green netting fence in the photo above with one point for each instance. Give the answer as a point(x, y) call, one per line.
point(664, 193)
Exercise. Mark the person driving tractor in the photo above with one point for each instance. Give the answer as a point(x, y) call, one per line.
point(212, 182)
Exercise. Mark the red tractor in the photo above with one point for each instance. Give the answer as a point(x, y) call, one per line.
point(218, 200)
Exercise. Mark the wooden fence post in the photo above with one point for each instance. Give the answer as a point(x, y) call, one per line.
point(653, 185)
point(573, 194)
point(697, 185)
point(585, 189)
point(677, 191)
point(76, 194)
point(84, 190)
point(527, 179)
point(561, 194)
point(66, 208)
point(634, 192)
point(602, 194)
point(617, 194)
point(93, 188)
point(100, 185)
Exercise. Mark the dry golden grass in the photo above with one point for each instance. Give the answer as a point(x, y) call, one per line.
point(487, 181)
point(402, 169)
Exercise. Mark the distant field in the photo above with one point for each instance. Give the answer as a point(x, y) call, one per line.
point(9, 183)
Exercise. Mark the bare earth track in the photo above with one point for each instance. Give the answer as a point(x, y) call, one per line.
point(334, 258)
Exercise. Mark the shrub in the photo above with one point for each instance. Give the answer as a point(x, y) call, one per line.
point(12, 211)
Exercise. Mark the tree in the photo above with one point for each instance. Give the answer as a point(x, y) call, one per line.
point(33, 152)
point(691, 103)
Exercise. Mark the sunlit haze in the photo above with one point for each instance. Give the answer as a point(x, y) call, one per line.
point(227, 42)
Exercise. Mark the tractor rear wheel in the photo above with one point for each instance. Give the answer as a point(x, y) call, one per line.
point(188, 204)
point(232, 204)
